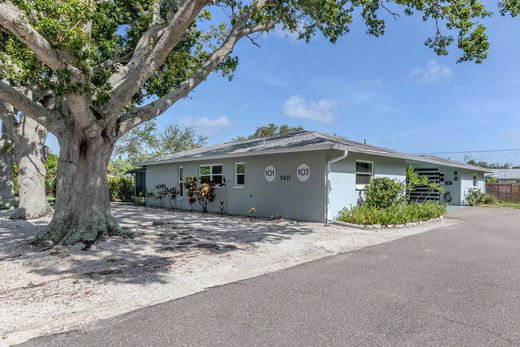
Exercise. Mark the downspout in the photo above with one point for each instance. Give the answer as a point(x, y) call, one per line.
point(327, 183)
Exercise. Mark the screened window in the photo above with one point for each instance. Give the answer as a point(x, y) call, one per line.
point(240, 174)
point(364, 174)
point(475, 180)
point(211, 173)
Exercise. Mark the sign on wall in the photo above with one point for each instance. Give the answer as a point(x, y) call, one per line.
point(303, 172)
point(270, 173)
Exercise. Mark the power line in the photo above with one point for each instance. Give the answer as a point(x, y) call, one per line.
point(481, 151)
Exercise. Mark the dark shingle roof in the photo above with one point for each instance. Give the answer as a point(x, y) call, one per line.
point(294, 142)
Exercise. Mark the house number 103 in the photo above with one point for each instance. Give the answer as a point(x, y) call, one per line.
point(303, 172)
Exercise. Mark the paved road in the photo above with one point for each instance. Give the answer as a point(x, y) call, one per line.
point(454, 286)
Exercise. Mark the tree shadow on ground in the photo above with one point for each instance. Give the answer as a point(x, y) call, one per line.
point(161, 237)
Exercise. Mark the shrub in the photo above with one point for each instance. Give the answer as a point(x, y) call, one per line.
point(475, 197)
point(490, 199)
point(163, 192)
point(53, 186)
point(120, 188)
point(383, 192)
point(203, 193)
point(401, 213)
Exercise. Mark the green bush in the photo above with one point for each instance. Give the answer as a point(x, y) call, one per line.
point(401, 213)
point(490, 199)
point(383, 192)
point(53, 186)
point(120, 188)
point(475, 197)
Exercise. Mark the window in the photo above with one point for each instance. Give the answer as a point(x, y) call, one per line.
point(211, 173)
point(364, 173)
point(240, 174)
point(181, 182)
point(475, 180)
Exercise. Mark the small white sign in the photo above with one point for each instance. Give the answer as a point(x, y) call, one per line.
point(303, 172)
point(270, 173)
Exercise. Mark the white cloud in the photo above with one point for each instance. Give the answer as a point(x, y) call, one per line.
point(321, 111)
point(371, 83)
point(206, 126)
point(433, 72)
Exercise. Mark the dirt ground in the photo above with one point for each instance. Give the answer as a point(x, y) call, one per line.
point(172, 254)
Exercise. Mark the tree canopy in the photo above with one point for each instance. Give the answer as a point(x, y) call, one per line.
point(125, 52)
point(147, 142)
point(487, 165)
point(270, 129)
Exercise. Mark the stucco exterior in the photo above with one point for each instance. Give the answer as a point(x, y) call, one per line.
point(457, 182)
point(286, 196)
point(342, 179)
point(328, 187)
point(467, 184)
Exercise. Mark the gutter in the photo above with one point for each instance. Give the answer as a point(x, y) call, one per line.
point(327, 183)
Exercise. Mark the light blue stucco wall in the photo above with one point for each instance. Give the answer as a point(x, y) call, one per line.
point(451, 175)
point(461, 181)
point(291, 198)
point(467, 184)
point(342, 179)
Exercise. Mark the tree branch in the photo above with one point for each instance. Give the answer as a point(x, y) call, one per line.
point(151, 53)
point(137, 116)
point(48, 118)
point(15, 20)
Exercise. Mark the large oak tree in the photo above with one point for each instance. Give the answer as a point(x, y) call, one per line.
point(107, 66)
point(25, 145)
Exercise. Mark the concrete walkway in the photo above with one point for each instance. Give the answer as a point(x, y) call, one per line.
point(459, 285)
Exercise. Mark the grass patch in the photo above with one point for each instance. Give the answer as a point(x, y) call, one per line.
point(503, 204)
point(395, 214)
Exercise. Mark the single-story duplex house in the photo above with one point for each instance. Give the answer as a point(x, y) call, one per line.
point(505, 175)
point(308, 175)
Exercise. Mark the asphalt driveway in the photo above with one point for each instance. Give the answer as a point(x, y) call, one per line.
point(458, 285)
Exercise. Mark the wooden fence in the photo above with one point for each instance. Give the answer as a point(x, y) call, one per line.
point(504, 191)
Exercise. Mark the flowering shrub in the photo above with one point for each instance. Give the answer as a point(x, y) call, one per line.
point(203, 193)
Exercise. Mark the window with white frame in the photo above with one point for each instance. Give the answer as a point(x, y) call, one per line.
point(181, 182)
point(475, 180)
point(364, 173)
point(211, 173)
point(240, 174)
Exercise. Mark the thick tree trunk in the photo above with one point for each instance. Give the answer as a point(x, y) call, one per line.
point(82, 210)
point(29, 153)
point(7, 198)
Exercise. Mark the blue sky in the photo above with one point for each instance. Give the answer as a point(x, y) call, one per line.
point(392, 91)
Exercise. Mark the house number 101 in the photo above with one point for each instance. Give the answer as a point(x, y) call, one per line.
point(270, 173)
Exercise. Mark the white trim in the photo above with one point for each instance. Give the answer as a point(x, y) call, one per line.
point(372, 175)
point(236, 185)
point(327, 183)
point(211, 173)
point(179, 182)
point(474, 179)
